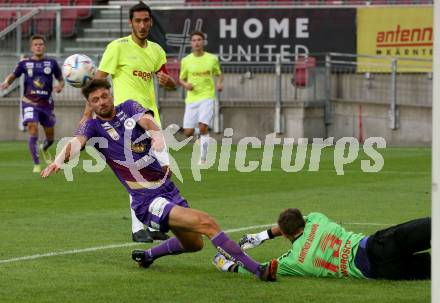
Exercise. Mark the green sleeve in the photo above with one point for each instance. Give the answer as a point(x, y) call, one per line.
point(216, 69)
point(162, 59)
point(241, 270)
point(183, 70)
point(110, 59)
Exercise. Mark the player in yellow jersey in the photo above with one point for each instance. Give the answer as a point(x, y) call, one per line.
point(132, 62)
point(197, 73)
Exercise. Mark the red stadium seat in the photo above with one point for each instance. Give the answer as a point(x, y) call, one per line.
point(68, 22)
point(173, 67)
point(263, 2)
point(83, 13)
point(68, 18)
point(301, 71)
point(18, 2)
point(62, 2)
point(194, 2)
point(44, 23)
point(5, 19)
point(238, 2)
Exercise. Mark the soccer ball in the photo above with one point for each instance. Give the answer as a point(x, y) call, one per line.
point(78, 69)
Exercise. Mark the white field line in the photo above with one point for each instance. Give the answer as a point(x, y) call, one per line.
point(96, 248)
point(304, 170)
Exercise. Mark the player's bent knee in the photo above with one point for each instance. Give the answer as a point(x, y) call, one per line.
point(193, 243)
point(209, 225)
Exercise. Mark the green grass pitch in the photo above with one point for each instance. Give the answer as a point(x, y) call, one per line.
point(40, 217)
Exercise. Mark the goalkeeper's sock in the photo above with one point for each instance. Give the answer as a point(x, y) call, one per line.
point(231, 250)
point(171, 246)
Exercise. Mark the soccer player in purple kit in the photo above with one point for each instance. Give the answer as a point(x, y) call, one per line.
point(134, 158)
point(37, 102)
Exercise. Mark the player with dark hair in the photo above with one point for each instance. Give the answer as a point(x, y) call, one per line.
point(197, 73)
point(132, 62)
point(323, 248)
point(37, 102)
point(156, 200)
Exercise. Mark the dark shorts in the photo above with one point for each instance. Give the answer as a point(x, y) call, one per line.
point(399, 252)
point(154, 212)
point(38, 114)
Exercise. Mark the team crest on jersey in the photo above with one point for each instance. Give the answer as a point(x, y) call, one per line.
point(111, 131)
point(30, 72)
point(138, 147)
point(129, 123)
point(47, 70)
point(37, 83)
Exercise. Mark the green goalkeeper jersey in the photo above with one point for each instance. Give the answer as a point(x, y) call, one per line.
point(325, 249)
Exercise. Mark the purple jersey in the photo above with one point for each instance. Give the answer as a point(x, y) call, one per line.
point(127, 152)
point(38, 78)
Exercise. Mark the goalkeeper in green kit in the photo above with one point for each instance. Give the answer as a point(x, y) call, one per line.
point(323, 248)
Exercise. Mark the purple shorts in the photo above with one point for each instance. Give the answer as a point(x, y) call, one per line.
point(154, 211)
point(39, 114)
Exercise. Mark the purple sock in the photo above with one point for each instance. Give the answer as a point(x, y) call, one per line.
point(226, 246)
point(169, 247)
point(33, 148)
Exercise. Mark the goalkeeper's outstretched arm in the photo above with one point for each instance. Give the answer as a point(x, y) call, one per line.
point(254, 240)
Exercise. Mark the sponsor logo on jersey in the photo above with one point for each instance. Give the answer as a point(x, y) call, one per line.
point(39, 92)
point(146, 76)
point(201, 74)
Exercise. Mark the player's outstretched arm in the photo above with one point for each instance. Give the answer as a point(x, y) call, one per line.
point(70, 150)
point(8, 81)
point(253, 240)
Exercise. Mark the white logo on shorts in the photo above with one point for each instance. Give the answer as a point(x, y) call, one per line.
point(28, 113)
point(157, 206)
